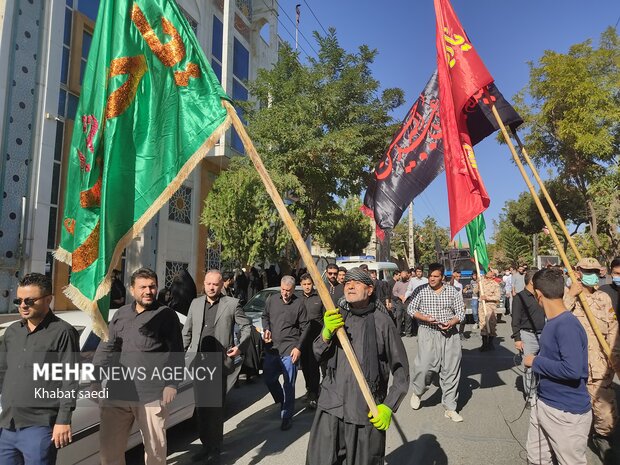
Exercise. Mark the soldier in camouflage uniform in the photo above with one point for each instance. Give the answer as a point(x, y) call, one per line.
point(490, 293)
point(601, 372)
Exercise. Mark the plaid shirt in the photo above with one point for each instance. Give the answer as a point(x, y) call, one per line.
point(443, 305)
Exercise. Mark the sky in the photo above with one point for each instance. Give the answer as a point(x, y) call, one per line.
point(507, 35)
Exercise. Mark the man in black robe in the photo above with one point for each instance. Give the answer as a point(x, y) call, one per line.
point(343, 430)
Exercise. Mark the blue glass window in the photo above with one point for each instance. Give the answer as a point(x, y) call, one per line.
point(218, 34)
point(87, 39)
point(89, 8)
point(60, 127)
point(62, 98)
point(239, 93)
point(64, 70)
point(55, 182)
point(68, 21)
point(72, 106)
point(70, 3)
point(241, 61)
point(217, 69)
point(51, 231)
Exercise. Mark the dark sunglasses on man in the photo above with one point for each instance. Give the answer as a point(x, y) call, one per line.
point(29, 301)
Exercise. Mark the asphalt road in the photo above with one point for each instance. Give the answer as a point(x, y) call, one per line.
point(494, 428)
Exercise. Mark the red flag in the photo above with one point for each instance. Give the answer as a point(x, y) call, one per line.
point(461, 75)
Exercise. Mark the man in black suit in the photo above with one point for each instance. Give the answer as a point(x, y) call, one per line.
point(209, 329)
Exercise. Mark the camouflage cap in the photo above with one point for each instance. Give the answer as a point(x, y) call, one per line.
point(589, 263)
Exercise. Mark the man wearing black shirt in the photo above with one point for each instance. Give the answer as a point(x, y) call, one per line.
point(343, 431)
point(209, 330)
point(144, 326)
point(336, 290)
point(285, 328)
point(314, 313)
point(32, 429)
point(528, 320)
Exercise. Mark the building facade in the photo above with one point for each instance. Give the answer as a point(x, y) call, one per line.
point(44, 47)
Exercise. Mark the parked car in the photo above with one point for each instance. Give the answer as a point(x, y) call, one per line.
point(84, 448)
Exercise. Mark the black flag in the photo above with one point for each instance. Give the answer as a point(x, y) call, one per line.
point(415, 156)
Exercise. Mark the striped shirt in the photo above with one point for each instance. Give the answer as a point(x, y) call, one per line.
point(442, 306)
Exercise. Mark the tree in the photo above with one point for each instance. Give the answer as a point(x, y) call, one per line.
point(347, 231)
point(242, 216)
point(511, 245)
point(323, 123)
point(318, 129)
point(427, 238)
point(571, 109)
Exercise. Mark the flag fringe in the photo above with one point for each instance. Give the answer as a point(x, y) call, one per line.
point(62, 255)
point(100, 327)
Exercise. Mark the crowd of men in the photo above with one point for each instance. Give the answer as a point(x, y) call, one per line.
point(568, 377)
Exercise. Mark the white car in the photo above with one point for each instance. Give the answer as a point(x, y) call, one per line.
point(84, 449)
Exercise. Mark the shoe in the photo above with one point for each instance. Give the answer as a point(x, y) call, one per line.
point(287, 423)
point(452, 415)
point(414, 402)
point(485, 344)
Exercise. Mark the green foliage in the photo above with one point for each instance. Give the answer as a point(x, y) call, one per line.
point(318, 129)
point(571, 109)
point(511, 245)
point(241, 214)
point(524, 214)
point(347, 230)
point(426, 238)
point(323, 123)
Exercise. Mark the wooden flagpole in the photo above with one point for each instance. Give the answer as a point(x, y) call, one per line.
point(545, 192)
point(554, 236)
point(303, 250)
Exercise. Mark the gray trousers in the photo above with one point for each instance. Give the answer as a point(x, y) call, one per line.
point(557, 437)
point(530, 346)
point(438, 353)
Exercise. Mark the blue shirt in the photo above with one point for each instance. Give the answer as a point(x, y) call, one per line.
point(562, 365)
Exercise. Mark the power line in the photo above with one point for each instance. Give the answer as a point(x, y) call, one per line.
point(285, 28)
point(301, 33)
point(317, 19)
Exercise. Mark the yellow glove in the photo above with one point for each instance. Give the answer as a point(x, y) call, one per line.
point(383, 419)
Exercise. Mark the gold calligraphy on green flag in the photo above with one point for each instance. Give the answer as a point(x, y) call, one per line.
point(150, 109)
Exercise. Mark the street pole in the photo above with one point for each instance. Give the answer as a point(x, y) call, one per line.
point(411, 243)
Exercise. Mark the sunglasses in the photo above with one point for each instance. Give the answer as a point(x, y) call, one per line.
point(29, 301)
point(332, 273)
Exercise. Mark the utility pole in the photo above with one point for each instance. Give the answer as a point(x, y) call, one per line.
point(535, 249)
point(411, 244)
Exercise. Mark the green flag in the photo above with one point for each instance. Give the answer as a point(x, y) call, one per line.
point(475, 236)
point(150, 109)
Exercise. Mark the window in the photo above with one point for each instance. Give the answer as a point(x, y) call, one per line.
point(241, 71)
point(241, 61)
point(218, 35)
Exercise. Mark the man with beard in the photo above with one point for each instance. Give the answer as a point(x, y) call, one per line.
point(32, 430)
point(439, 308)
point(343, 430)
point(314, 314)
point(143, 326)
point(336, 290)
